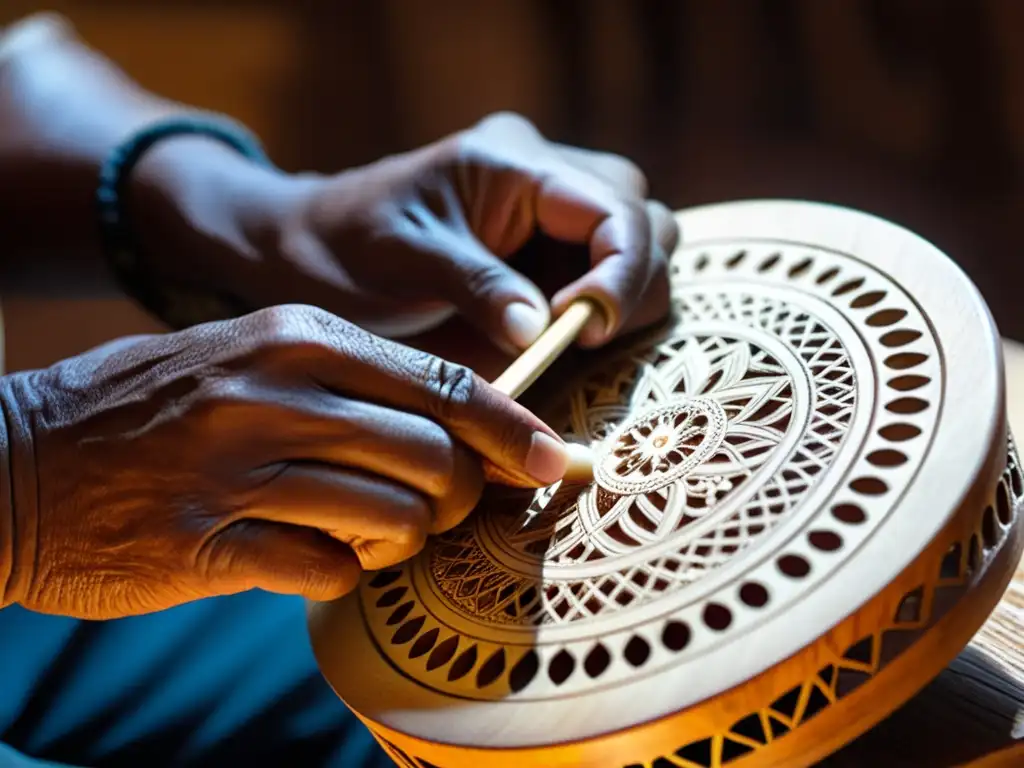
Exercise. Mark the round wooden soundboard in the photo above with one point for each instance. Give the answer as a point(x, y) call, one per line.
point(806, 501)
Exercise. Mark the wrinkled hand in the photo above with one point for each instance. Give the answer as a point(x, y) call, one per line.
point(284, 450)
point(400, 245)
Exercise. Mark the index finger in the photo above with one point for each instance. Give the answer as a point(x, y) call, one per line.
point(576, 206)
point(346, 359)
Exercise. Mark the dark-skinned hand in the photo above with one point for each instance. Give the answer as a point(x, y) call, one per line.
point(285, 450)
point(401, 245)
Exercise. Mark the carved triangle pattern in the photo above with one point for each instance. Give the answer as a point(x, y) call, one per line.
point(848, 668)
point(708, 411)
point(851, 667)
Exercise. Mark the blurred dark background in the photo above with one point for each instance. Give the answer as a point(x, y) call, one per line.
point(911, 109)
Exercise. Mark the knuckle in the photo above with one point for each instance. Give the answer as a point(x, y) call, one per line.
point(508, 120)
point(637, 178)
point(224, 391)
point(322, 583)
point(291, 321)
point(636, 210)
point(659, 271)
point(217, 397)
point(463, 497)
point(296, 327)
point(512, 438)
point(624, 174)
point(409, 530)
point(458, 512)
point(483, 278)
point(450, 386)
point(280, 326)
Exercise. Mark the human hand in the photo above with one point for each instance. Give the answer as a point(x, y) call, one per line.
point(284, 450)
point(401, 245)
point(419, 235)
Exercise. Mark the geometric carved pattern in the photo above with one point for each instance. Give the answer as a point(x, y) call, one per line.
point(693, 606)
point(851, 667)
point(708, 435)
point(684, 424)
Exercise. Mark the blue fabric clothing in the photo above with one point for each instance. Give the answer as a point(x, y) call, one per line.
point(221, 682)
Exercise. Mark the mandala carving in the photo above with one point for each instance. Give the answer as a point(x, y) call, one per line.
point(679, 428)
point(717, 440)
point(774, 524)
point(655, 448)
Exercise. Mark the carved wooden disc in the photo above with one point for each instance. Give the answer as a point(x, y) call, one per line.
point(804, 505)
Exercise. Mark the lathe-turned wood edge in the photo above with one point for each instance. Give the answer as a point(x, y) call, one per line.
point(971, 715)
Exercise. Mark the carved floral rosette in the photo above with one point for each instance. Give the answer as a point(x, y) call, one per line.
point(748, 458)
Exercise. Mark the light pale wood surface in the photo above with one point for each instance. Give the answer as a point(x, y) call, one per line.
point(972, 715)
point(547, 666)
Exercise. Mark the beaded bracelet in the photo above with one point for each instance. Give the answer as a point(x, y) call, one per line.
point(178, 306)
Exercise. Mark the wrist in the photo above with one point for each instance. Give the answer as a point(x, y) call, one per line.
point(200, 210)
point(7, 548)
point(18, 500)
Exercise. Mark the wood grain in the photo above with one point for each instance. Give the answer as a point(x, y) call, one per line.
point(972, 715)
point(492, 671)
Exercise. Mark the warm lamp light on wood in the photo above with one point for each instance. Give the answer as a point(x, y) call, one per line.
point(805, 501)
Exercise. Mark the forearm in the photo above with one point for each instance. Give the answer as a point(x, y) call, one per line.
point(63, 109)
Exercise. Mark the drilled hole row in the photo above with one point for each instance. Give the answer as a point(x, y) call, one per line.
point(849, 513)
point(675, 637)
point(999, 515)
point(963, 562)
point(803, 267)
point(461, 661)
point(879, 318)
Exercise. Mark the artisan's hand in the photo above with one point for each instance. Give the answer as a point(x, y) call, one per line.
point(283, 451)
point(431, 230)
point(401, 245)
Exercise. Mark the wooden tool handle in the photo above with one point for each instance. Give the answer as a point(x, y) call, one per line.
point(528, 367)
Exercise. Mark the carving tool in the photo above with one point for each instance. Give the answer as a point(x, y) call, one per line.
point(537, 358)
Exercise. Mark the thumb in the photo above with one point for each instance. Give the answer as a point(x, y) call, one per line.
point(493, 297)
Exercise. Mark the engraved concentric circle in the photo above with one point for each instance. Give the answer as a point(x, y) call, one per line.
point(768, 424)
point(700, 560)
point(661, 445)
point(722, 439)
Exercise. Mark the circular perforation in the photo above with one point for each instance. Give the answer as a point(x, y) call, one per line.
point(544, 606)
point(689, 480)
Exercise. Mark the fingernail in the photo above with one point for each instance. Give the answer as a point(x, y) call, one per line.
point(547, 459)
point(594, 333)
point(580, 468)
point(523, 323)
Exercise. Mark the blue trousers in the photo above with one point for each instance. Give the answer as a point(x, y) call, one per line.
point(222, 682)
